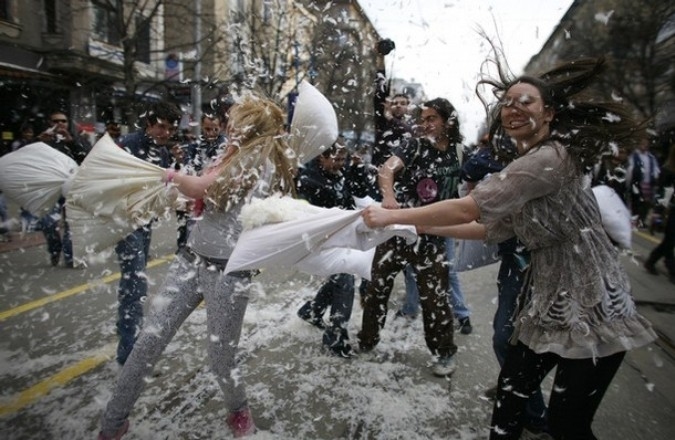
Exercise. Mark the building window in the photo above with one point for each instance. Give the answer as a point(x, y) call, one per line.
point(105, 22)
point(51, 17)
point(143, 39)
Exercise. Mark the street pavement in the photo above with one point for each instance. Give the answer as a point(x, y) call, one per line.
point(57, 370)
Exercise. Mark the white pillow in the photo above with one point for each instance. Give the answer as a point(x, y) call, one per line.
point(615, 216)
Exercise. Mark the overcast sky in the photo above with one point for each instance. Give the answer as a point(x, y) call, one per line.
point(437, 43)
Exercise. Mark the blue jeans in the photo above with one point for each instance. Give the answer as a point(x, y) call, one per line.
point(132, 255)
point(411, 306)
point(509, 284)
point(51, 229)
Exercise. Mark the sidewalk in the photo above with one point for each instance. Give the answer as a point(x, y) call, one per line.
point(19, 240)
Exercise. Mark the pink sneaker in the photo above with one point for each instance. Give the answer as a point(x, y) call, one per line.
point(241, 422)
point(118, 435)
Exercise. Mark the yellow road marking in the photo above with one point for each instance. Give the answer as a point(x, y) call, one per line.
point(647, 237)
point(30, 395)
point(74, 291)
point(41, 389)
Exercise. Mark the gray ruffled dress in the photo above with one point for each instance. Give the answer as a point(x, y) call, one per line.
point(577, 299)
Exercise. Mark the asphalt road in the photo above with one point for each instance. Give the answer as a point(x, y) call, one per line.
point(58, 337)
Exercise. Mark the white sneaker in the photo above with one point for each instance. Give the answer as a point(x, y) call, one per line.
point(444, 366)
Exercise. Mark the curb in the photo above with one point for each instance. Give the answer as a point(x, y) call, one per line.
point(20, 240)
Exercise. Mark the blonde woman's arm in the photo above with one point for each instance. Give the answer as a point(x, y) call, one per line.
point(196, 186)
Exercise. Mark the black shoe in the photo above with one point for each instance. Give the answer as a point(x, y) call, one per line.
point(400, 314)
point(491, 393)
point(306, 314)
point(651, 268)
point(341, 350)
point(55, 260)
point(336, 341)
point(465, 327)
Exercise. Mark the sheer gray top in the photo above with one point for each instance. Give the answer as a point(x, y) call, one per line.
point(577, 299)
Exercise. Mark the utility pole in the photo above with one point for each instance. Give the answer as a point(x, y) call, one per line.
point(197, 80)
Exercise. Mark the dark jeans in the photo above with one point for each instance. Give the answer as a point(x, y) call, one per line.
point(509, 284)
point(52, 226)
point(338, 293)
point(578, 388)
point(184, 224)
point(665, 248)
point(427, 259)
point(132, 255)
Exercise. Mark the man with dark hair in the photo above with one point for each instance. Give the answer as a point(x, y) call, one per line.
point(322, 183)
point(149, 144)
point(55, 225)
point(393, 124)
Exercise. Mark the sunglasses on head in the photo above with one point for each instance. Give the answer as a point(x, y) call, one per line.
point(59, 120)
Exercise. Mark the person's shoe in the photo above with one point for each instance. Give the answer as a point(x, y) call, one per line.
point(336, 341)
point(340, 350)
point(444, 366)
point(465, 327)
point(241, 422)
point(400, 314)
point(118, 435)
point(54, 259)
point(491, 393)
point(70, 265)
point(651, 268)
point(535, 433)
point(306, 314)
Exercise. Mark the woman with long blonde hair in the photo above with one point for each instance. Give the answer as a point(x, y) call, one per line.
point(257, 162)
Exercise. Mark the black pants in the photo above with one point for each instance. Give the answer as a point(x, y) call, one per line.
point(665, 248)
point(427, 257)
point(578, 388)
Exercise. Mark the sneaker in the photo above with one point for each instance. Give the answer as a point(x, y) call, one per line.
point(444, 366)
point(118, 435)
point(241, 422)
point(465, 327)
point(306, 314)
point(340, 350)
point(535, 433)
point(400, 314)
point(336, 341)
point(491, 393)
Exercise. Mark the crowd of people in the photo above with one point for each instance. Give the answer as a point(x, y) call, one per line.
point(564, 301)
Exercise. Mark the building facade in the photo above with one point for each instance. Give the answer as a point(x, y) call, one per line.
point(638, 41)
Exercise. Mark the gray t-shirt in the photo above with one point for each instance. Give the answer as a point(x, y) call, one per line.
point(577, 300)
point(215, 235)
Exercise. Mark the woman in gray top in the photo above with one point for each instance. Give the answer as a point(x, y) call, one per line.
point(576, 311)
point(255, 163)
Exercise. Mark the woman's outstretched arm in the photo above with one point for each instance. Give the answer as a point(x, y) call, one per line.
point(443, 213)
point(467, 231)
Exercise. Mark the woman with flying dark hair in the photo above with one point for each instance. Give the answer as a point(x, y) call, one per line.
point(576, 311)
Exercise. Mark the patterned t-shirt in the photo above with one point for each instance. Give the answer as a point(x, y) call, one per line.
point(428, 174)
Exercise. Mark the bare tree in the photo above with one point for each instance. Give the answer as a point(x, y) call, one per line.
point(139, 33)
point(628, 35)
